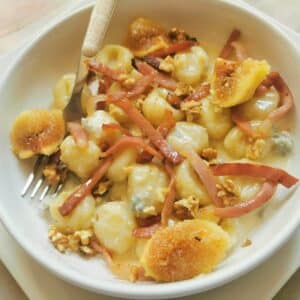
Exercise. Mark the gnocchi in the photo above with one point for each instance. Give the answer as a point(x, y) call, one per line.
point(155, 106)
point(235, 143)
point(118, 171)
point(118, 191)
point(115, 57)
point(188, 184)
point(215, 119)
point(259, 107)
point(80, 218)
point(113, 226)
point(185, 250)
point(81, 160)
point(63, 90)
point(238, 145)
point(186, 134)
point(191, 66)
point(93, 126)
point(147, 186)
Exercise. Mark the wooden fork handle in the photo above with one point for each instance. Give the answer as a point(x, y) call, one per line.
point(97, 27)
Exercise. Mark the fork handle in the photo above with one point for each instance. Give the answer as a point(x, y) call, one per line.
point(97, 27)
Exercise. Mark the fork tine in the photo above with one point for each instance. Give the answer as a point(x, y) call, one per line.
point(44, 192)
point(59, 187)
point(31, 176)
point(37, 187)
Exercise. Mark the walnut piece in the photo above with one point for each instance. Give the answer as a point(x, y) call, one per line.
point(72, 241)
point(167, 65)
point(209, 153)
point(102, 188)
point(228, 192)
point(183, 89)
point(192, 109)
point(187, 208)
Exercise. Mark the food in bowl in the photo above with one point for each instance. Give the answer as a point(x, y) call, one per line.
point(171, 152)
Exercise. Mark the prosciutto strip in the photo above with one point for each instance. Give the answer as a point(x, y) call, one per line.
point(126, 141)
point(244, 125)
point(170, 198)
point(144, 157)
point(174, 48)
point(102, 251)
point(159, 78)
point(266, 192)
point(116, 75)
point(205, 174)
point(146, 232)
point(155, 137)
point(168, 124)
point(286, 97)
point(240, 51)
point(118, 127)
point(139, 88)
point(84, 189)
point(174, 100)
point(254, 170)
point(78, 133)
point(227, 50)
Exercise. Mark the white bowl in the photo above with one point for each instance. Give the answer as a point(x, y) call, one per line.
point(29, 82)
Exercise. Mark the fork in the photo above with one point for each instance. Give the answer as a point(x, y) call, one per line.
point(98, 24)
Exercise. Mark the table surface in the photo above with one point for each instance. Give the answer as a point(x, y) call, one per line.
point(19, 18)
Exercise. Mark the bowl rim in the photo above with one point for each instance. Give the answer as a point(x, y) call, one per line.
point(167, 290)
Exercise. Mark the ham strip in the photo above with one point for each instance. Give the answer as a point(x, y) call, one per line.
point(168, 123)
point(205, 174)
point(159, 78)
point(78, 133)
point(266, 192)
point(126, 141)
point(244, 125)
point(112, 126)
point(227, 50)
point(139, 88)
point(286, 97)
point(174, 48)
point(170, 198)
point(102, 251)
point(146, 232)
point(116, 75)
point(240, 51)
point(84, 189)
point(155, 137)
point(254, 170)
point(144, 157)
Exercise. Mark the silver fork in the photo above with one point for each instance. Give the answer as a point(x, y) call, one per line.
point(98, 24)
